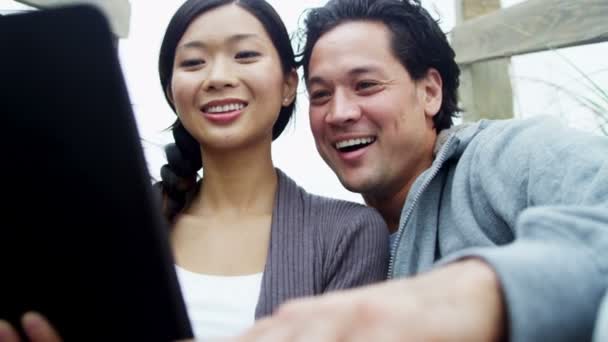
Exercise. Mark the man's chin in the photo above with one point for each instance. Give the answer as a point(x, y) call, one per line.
point(360, 186)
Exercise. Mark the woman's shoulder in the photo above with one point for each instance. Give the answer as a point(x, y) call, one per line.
point(337, 205)
point(334, 212)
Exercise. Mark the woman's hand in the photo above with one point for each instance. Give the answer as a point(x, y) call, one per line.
point(36, 327)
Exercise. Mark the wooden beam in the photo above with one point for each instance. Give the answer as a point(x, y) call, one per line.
point(471, 9)
point(118, 12)
point(534, 25)
point(485, 88)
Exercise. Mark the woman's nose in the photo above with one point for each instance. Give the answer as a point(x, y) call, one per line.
point(219, 76)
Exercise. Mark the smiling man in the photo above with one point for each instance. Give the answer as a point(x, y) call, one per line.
point(499, 228)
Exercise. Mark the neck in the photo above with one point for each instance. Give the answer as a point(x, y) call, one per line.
point(239, 182)
point(390, 203)
point(389, 206)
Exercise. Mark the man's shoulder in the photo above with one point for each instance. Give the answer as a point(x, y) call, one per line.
point(523, 135)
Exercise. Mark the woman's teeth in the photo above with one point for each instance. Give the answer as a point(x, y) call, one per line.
point(225, 108)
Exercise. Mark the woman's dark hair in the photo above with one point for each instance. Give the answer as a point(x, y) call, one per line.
point(184, 159)
point(417, 41)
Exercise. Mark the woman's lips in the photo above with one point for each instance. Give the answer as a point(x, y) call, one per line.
point(224, 117)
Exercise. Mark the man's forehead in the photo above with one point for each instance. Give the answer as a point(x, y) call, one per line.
point(350, 49)
point(352, 29)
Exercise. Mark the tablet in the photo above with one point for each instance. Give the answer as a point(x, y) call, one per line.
point(82, 237)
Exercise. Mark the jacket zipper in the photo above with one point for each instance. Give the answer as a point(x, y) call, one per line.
point(440, 160)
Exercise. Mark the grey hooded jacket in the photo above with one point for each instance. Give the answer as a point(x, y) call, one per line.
point(530, 197)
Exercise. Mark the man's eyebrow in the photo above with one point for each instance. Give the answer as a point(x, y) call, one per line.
point(315, 80)
point(351, 73)
point(363, 70)
point(197, 44)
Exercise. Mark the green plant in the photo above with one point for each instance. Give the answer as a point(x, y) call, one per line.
point(595, 99)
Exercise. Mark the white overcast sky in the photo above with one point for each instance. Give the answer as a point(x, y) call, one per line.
point(294, 151)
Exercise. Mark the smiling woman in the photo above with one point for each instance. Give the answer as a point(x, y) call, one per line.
point(246, 238)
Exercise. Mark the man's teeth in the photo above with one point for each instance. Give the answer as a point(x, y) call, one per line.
point(354, 142)
point(225, 108)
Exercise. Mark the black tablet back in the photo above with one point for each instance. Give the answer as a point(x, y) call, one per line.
point(82, 239)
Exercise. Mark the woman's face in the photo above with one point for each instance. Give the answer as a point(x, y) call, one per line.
point(228, 85)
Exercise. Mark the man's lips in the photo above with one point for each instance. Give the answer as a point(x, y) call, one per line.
point(351, 149)
point(350, 144)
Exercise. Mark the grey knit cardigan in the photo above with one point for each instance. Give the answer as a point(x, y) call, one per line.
point(319, 244)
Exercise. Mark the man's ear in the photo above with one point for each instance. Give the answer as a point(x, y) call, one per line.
point(432, 92)
point(290, 87)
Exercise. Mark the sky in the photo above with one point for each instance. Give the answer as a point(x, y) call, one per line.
point(294, 152)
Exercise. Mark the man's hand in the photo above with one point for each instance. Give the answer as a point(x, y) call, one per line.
point(458, 302)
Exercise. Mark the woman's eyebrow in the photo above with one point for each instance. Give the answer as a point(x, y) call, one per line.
point(242, 36)
point(195, 44)
point(198, 44)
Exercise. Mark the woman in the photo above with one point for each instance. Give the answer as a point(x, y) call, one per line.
point(246, 227)
point(245, 237)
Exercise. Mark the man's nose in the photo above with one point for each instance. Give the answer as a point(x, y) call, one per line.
point(343, 110)
point(220, 75)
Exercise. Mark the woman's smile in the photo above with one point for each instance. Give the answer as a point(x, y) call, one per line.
point(223, 111)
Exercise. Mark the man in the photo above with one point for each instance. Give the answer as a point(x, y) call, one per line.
point(500, 229)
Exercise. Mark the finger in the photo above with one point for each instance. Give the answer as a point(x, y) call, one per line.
point(7, 333)
point(297, 308)
point(319, 331)
point(275, 334)
point(260, 328)
point(38, 329)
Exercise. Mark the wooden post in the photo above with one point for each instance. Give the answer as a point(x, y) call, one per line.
point(485, 90)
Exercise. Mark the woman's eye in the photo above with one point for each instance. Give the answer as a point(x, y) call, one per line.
point(191, 63)
point(247, 54)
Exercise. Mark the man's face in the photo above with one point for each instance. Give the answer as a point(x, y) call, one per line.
point(371, 122)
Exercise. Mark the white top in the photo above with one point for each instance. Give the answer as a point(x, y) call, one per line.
point(219, 306)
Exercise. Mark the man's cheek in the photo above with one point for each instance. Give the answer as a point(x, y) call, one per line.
point(316, 125)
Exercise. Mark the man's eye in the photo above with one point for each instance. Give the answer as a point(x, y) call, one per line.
point(320, 94)
point(246, 54)
point(365, 85)
point(191, 63)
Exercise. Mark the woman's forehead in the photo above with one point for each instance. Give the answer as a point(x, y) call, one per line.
point(225, 22)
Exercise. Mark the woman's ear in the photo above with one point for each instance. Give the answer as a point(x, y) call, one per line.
point(290, 87)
